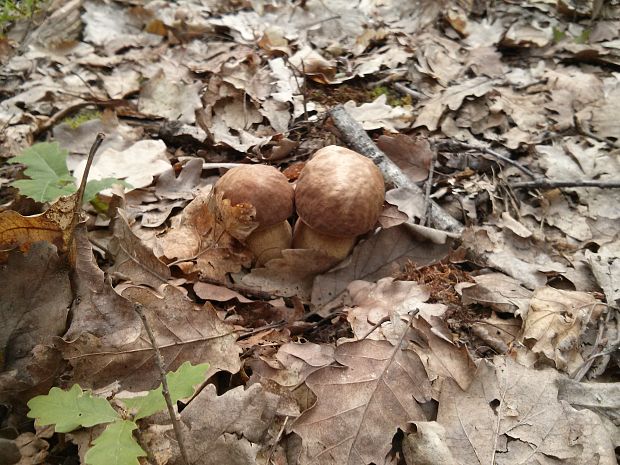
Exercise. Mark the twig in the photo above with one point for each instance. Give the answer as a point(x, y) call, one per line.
point(584, 132)
point(611, 347)
point(317, 22)
point(80, 193)
point(451, 145)
point(427, 194)
point(60, 115)
point(374, 327)
point(89, 162)
point(164, 384)
point(355, 136)
point(406, 90)
point(247, 334)
point(548, 184)
point(275, 443)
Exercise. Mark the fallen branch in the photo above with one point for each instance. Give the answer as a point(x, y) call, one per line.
point(355, 136)
point(547, 184)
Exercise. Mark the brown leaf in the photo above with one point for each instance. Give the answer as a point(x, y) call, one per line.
point(372, 302)
point(555, 322)
point(497, 291)
point(360, 406)
point(183, 330)
point(133, 260)
point(441, 357)
point(412, 156)
point(53, 226)
point(290, 275)
point(200, 244)
point(231, 438)
point(511, 414)
point(375, 258)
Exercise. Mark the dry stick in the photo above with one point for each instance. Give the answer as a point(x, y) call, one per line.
point(611, 347)
point(275, 443)
point(406, 90)
point(80, 193)
point(375, 326)
point(355, 136)
point(451, 145)
point(427, 194)
point(584, 132)
point(164, 384)
point(547, 184)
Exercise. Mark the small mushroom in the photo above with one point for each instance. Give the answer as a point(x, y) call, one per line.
point(265, 193)
point(339, 196)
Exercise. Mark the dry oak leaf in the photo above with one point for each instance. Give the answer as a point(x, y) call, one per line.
point(53, 226)
point(228, 428)
point(183, 330)
point(133, 260)
point(555, 322)
point(511, 414)
point(360, 406)
point(451, 98)
point(35, 300)
point(498, 292)
point(377, 257)
point(372, 302)
point(201, 245)
point(291, 275)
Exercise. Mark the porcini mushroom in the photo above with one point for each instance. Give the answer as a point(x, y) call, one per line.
point(339, 196)
point(265, 190)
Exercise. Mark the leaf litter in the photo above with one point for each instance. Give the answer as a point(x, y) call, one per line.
point(511, 356)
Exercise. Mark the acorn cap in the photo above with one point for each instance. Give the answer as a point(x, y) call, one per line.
point(261, 186)
point(340, 192)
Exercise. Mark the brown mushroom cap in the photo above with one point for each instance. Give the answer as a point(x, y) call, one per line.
point(261, 186)
point(340, 192)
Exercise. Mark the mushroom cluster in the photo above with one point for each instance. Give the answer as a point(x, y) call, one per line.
point(338, 196)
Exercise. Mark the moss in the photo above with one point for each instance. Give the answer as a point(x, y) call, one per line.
point(394, 99)
point(80, 118)
point(17, 10)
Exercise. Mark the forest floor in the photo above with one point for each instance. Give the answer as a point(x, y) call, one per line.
point(478, 322)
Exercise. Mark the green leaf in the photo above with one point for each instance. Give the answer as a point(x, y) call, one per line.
point(46, 166)
point(97, 185)
point(42, 191)
point(181, 384)
point(115, 446)
point(68, 410)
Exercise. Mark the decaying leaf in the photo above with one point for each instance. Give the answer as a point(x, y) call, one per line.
point(53, 226)
point(555, 321)
point(213, 438)
point(511, 414)
point(360, 405)
point(377, 257)
point(36, 297)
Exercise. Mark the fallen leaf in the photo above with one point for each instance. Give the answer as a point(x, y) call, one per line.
point(412, 156)
point(348, 423)
point(137, 165)
point(379, 114)
point(511, 414)
point(377, 257)
point(554, 324)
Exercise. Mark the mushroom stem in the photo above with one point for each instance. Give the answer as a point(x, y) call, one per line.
point(305, 237)
point(268, 243)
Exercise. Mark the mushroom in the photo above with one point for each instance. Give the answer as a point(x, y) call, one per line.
point(339, 196)
point(253, 203)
